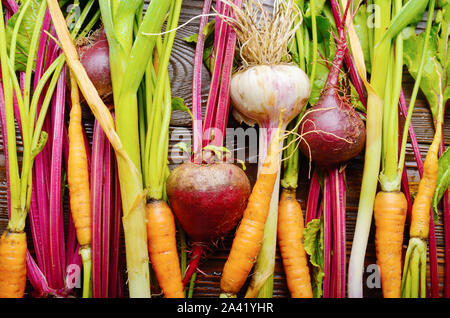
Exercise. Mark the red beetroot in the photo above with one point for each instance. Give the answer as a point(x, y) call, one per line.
point(208, 200)
point(332, 130)
point(94, 57)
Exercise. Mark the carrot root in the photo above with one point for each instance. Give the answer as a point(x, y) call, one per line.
point(390, 211)
point(78, 171)
point(290, 240)
point(162, 247)
point(13, 270)
point(249, 235)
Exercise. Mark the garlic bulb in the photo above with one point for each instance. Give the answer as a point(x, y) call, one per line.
point(259, 94)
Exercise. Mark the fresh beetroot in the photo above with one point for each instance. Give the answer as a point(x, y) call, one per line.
point(94, 56)
point(208, 200)
point(332, 136)
point(332, 131)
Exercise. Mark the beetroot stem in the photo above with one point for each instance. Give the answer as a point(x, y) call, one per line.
point(339, 240)
point(197, 87)
point(313, 198)
point(106, 218)
point(327, 226)
point(224, 96)
point(221, 38)
point(98, 152)
point(56, 223)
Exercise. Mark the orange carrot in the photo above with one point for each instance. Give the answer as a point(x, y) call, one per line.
point(162, 246)
point(420, 215)
point(79, 189)
point(290, 240)
point(13, 269)
point(414, 269)
point(390, 214)
point(249, 235)
point(78, 173)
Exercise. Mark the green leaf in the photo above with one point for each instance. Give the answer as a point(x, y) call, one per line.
point(443, 180)
point(244, 167)
point(432, 71)
point(209, 28)
point(208, 32)
point(319, 82)
point(41, 144)
point(24, 35)
point(362, 31)
point(408, 14)
point(313, 241)
point(218, 151)
point(178, 104)
point(443, 54)
point(327, 48)
point(192, 38)
point(184, 147)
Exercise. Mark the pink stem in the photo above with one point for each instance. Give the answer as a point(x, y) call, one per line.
point(56, 224)
point(446, 217)
point(354, 75)
point(446, 244)
point(313, 198)
point(224, 95)
point(355, 78)
point(218, 22)
point(339, 238)
point(41, 169)
point(341, 50)
point(11, 5)
point(197, 87)
point(218, 106)
point(327, 228)
point(40, 58)
point(220, 30)
point(36, 277)
point(98, 151)
point(407, 193)
point(434, 271)
point(106, 222)
point(405, 182)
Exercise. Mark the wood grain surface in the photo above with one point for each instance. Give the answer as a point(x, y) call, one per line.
point(207, 282)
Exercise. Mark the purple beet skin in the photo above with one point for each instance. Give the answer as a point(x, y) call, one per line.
point(333, 133)
point(209, 199)
point(95, 59)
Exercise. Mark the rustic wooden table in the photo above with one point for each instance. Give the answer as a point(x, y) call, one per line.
point(207, 282)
